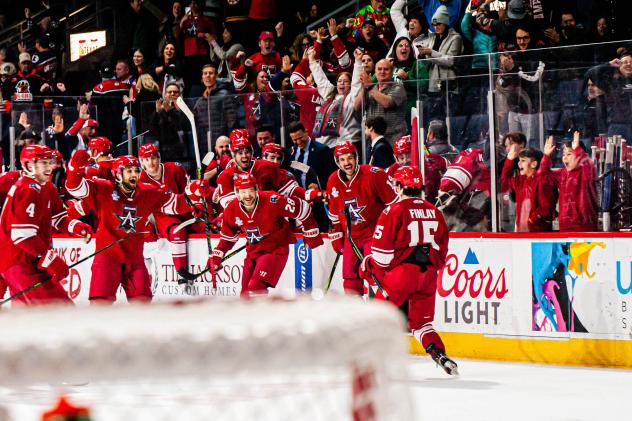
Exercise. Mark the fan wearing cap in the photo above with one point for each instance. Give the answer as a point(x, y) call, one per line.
point(262, 217)
point(79, 134)
point(172, 177)
point(266, 59)
point(365, 191)
point(100, 149)
point(32, 210)
point(27, 83)
point(408, 249)
point(377, 12)
point(368, 40)
point(435, 167)
point(268, 175)
point(123, 207)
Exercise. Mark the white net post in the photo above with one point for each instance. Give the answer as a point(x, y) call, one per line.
point(270, 359)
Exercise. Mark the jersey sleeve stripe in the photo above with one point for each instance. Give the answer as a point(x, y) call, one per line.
point(391, 251)
point(288, 188)
point(304, 211)
point(56, 220)
point(382, 259)
point(170, 206)
point(20, 234)
point(81, 191)
point(227, 238)
point(225, 200)
point(459, 176)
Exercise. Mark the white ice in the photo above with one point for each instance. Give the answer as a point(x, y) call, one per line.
point(485, 391)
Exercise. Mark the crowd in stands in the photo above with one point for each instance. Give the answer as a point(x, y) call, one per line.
point(255, 65)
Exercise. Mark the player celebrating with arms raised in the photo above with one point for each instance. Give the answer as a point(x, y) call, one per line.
point(409, 248)
point(261, 216)
point(122, 207)
point(364, 190)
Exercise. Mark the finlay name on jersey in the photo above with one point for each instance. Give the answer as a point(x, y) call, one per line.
point(422, 213)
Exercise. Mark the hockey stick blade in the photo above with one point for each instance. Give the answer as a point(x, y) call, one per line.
point(77, 263)
point(188, 276)
point(358, 252)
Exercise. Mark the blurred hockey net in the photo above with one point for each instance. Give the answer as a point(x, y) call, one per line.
point(334, 359)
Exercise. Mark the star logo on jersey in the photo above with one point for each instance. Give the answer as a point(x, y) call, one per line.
point(128, 219)
point(355, 211)
point(239, 222)
point(253, 236)
point(334, 192)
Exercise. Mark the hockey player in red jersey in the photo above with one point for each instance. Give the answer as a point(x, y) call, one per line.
point(261, 217)
point(435, 166)
point(365, 191)
point(409, 248)
point(7, 180)
point(464, 193)
point(268, 175)
point(123, 207)
point(32, 210)
point(100, 149)
point(172, 177)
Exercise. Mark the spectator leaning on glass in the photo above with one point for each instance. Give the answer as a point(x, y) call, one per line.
point(386, 99)
point(337, 119)
point(439, 48)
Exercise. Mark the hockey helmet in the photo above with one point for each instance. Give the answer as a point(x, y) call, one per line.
point(272, 148)
point(102, 144)
point(402, 146)
point(239, 140)
point(57, 155)
point(122, 162)
point(244, 181)
point(148, 150)
point(409, 176)
point(32, 153)
point(344, 148)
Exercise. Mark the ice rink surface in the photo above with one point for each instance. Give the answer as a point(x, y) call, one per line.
point(485, 391)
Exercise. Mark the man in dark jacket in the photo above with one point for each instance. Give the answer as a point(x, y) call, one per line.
point(380, 152)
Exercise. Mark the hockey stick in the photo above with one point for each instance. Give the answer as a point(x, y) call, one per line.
point(78, 262)
point(207, 224)
point(331, 274)
point(358, 252)
point(189, 277)
point(135, 137)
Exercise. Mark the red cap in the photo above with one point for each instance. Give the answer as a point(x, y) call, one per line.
point(409, 176)
point(266, 35)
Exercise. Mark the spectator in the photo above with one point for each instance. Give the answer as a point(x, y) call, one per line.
point(437, 139)
point(7, 73)
point(440, 48)
point(594, 111)
point(193, 28)
point(534, 191)
point(45, 60)
point(337, 120)
point(168, 68)
point(368, 64)
point(385, 99)
point(266, 59)
point(108, 97)
point(412, 27)
point(505, 28)
point(368, 41)
point(453, 10)
point(221, 54)
point(137, 28)
point(576, 184)
point(27, 83)
point(380, 15)
point(476, 28)
point(301, 95)
point(338, 60)
point(311, 153)
point(569, 33)
point(380, 152)
point(614, 79)
point(412, 73)
point(236, 20)
point(171, 125)
point(301, 43)
point(143, 104)
point(140, 66)
point(602, 34)
point(122, 72)
point(170, 28)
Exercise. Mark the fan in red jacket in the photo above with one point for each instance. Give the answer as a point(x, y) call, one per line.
point(31, 212)
point(268, 175)
point(577, 186)
point(266, 59)
point(435, 166)
point(535, 193)
point(262, 217)
point(173, 178)
point(409, 248)
point(100, 149)
point(123, 207)
point(365, 191)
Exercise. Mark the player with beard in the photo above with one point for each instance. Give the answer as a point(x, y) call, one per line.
point(268, 175)
point(365, 191)
point(123, 207)
point(262, 217)
point(32, 210)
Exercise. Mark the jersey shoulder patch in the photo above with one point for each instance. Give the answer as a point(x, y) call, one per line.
point(386, 210)
point(374, 169)
point(274, 198)
point(35, 186)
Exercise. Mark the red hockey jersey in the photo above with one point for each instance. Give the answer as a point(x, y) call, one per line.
point(436, 166)
point(366, 195)
point(266, 227)
point(174, 178)
point(121, 214)
point(268, 176)
point(271, 63)
point(7, 180)
point(30, 213)
point(405, 225)
point(100, 169)
point(467, 172)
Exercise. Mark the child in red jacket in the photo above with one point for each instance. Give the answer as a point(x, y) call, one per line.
point(576, 184)
point(535, 193)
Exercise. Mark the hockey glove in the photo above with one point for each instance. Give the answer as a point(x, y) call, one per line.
point(312, 238)
point(79, 161)
point(337, 241)
point(80, 229)
point(315, 195)
point(198, 189)
point(54, 265)
point(367, 268)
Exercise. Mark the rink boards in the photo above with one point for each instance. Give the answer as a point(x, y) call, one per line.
point(546, 298)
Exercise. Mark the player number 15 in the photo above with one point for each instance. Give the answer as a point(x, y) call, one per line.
point(428, 228)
